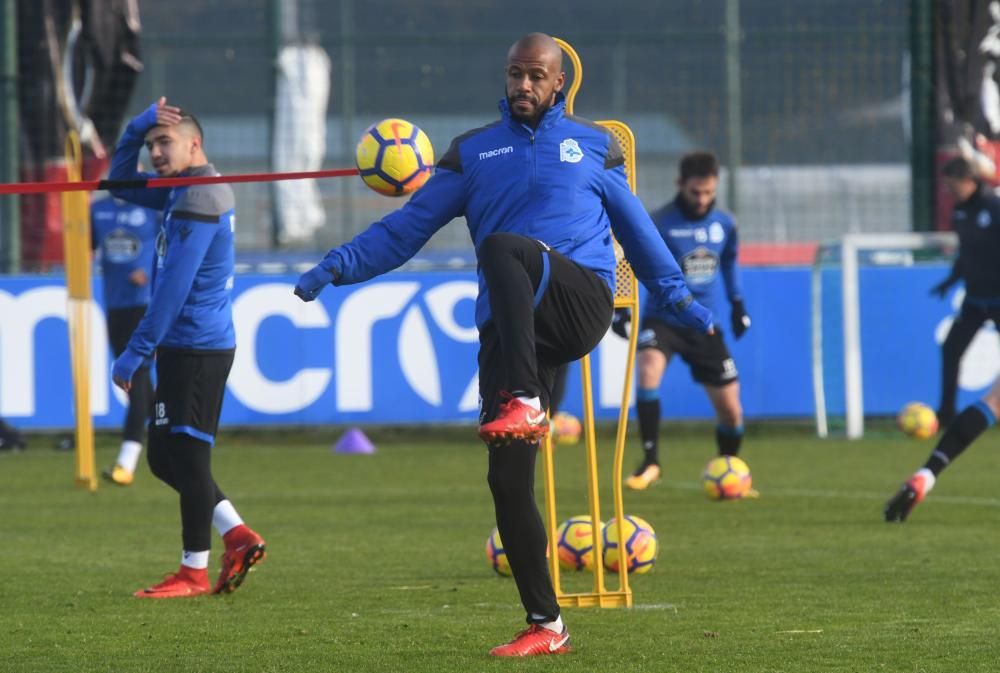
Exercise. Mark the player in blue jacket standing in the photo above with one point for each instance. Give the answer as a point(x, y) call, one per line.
point(542, 192)
point(124, 234)
point(188, 326)
point(703, 239)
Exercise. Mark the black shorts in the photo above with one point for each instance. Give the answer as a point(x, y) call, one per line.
point(189, 391)
point(121, 323)
point(706, 354)
point(571, 318)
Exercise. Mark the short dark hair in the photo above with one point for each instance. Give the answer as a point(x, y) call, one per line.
point(188, 118)
point(958, 168)
point(699, 165)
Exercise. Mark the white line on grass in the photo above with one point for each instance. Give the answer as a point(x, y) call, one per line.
point(846, 495)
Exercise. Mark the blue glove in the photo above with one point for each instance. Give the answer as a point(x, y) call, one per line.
point(739, 318)
point(689, 313)
point(145, 120)
point(312, 282)
point(124, 368)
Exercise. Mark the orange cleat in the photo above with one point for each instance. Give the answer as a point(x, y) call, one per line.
point(516, 420)
point(244, 549)
point(907, 497)
point(533, 641)
point(184, 583)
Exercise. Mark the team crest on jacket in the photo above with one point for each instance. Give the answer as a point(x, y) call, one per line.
point(569, 150)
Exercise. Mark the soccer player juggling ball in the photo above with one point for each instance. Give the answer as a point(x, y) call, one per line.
point(542, 192)
point(188, 326)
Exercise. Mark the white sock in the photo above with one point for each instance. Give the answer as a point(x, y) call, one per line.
point(128, 454)
point(929, 479)
point(555, 627)
point(225, 517)
point(194, 559)
point(533, 402)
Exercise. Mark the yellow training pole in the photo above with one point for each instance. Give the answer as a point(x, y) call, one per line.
point(76, 252)
point(626, 295)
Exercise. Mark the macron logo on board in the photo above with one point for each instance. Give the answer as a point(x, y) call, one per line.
point(489, 154)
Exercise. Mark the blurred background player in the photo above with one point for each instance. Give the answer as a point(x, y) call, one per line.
point(546, 269)
point(703, 239)
point(962, 432)
point(189, 327)
point(976, 219)
point(10, 438)
point(125, 235)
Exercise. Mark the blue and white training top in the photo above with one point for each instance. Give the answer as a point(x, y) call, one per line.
point(125, 235)
point(563, 184)
point(191, 304)
point(706, 248)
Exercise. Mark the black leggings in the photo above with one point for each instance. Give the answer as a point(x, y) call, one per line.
point(546, 311)
point(121, 323)
point(185, 464)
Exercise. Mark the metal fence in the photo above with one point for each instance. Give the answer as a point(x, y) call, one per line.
point(806, 103)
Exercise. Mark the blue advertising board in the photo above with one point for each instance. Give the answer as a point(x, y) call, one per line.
point(402, 349)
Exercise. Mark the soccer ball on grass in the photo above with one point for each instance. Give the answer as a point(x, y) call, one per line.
point(640, 545)
point(917, 421)
point(575, 542)
point(726, 478)
point(496, 555)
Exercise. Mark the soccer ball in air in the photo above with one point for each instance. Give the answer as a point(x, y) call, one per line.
point(918, 421)
point(575, 543)
point(726, 478)
point(496, 555)
point(639, 544)
point(566, 428)
point(394, 157)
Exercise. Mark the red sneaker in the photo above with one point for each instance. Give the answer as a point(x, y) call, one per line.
point(181, 584)
point(244, 549)
point(535, 640)
point(516, 420)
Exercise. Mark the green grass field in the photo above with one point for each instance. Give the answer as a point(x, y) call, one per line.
point(375, 563)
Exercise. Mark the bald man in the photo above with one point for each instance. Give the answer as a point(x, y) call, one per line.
point(541, 192)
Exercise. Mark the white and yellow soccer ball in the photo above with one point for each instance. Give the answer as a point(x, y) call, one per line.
point(496, 555)
point(640, 545)
point(566, 428)
point(394, 157)
point(575, 542)
point(726, 478)
point(917, 421)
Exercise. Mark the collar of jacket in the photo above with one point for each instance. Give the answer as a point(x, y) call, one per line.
point(551, 117)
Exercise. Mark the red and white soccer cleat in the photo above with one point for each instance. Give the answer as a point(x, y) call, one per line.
point(515, 420)
point(907, 497)
point(244, 549)
point(535, 640)
point(184, 583)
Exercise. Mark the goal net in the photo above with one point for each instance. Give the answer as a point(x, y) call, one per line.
point(862, 299)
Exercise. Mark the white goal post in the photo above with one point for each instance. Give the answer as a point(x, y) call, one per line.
point(887, 249)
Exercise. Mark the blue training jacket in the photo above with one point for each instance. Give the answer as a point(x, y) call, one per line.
point(706, 249)
point(563, 184)
point(191, 305)
point(125, 235)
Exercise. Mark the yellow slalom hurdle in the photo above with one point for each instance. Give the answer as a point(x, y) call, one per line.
point(626, 296)
point(76, 252)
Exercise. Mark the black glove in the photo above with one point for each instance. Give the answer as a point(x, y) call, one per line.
point(739, 318)
point(941, 289)
point(620, 322)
